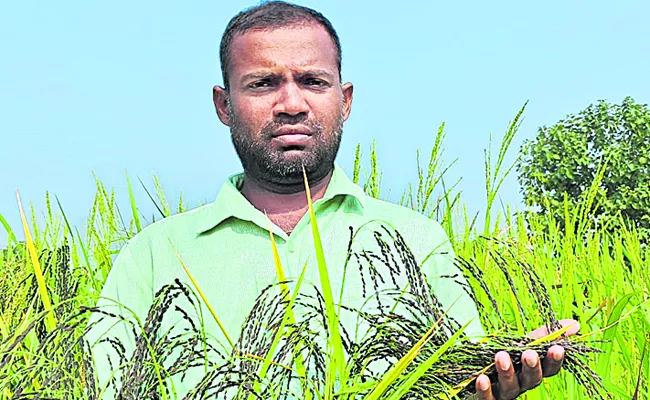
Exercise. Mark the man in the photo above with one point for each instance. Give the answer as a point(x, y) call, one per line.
point(285, 104)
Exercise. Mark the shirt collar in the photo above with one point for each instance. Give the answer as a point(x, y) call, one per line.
point(231, 203)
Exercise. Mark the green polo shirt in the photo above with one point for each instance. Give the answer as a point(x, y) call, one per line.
point(226, 246)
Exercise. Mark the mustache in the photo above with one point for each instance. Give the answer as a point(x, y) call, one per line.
point(272, 127)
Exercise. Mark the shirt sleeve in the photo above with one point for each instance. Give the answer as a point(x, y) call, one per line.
point(437, 260)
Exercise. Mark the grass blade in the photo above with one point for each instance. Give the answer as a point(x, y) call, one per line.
point(10, 233)
point(152, 199)
point(134, 208)
point(551, 336)
point(205, 300)
point(426, 365)
point(4, 328)
point(392, 375)
point(610, 332)
point(615, 315)
point(288, 318)
point(277, 262)
point(336, 364)
point(50, 320)
point(458, 388)
point(279, 270)
point(640, 377)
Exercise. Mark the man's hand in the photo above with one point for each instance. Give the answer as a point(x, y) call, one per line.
point(511, 384)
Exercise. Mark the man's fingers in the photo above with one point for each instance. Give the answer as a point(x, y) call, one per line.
point(508, 382)
point(484, 388)
point(575, 326)
point(510, 385)
point(531, 370)
point(553, 360)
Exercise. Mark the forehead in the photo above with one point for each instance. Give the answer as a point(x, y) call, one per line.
point(295, 46)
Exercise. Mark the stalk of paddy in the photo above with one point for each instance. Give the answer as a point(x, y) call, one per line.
point(523, 273)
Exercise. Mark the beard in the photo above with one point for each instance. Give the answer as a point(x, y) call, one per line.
point(261, 161)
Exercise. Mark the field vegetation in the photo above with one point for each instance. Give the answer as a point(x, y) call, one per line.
point(525, 270)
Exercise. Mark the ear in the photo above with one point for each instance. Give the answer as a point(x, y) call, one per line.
point(348, 90)
point(220, 99)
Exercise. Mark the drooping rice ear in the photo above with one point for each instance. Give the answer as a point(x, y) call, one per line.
point(205, 300)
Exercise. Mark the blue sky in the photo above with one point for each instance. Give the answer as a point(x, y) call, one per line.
point(115, 86)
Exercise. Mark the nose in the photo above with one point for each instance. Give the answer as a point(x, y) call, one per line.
point(292, 101)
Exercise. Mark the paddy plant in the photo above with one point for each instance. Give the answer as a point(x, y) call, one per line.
point(411, 347)
point(301, 340)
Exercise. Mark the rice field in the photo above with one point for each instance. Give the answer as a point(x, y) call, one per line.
point(523, 273)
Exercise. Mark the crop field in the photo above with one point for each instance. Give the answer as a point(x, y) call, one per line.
point(524, 272)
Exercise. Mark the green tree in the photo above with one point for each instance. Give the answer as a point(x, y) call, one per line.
point(564, 159)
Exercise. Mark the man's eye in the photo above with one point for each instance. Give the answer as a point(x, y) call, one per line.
point(259, 84)
point(315, 82)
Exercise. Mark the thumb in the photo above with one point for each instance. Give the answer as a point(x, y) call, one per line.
point(543, 331)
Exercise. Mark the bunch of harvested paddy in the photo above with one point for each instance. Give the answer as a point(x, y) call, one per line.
point(401, 309)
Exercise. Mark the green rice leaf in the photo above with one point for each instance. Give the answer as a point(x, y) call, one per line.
point(359, 387)
point(392, 375)
point(610, 332)
point(134, 208)
point(640, 375)
point(615, 315)
point(458, 388)
point(10, 233)
point(162, 213)
point(426, 365)
point(4, 328)
point(336, 365)
point(50, 319)
point(615, 389)
point(288, 318)
point(205, 300)
point(300, 365)
point(551, 336)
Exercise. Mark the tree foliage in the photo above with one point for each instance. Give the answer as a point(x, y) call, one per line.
point(565, 158)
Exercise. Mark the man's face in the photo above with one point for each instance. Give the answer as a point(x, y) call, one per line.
point(285, 105)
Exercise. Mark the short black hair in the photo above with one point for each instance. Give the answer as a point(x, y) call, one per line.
point(271, 15)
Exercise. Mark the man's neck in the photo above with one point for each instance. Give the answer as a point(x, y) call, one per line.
point(284, 205)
